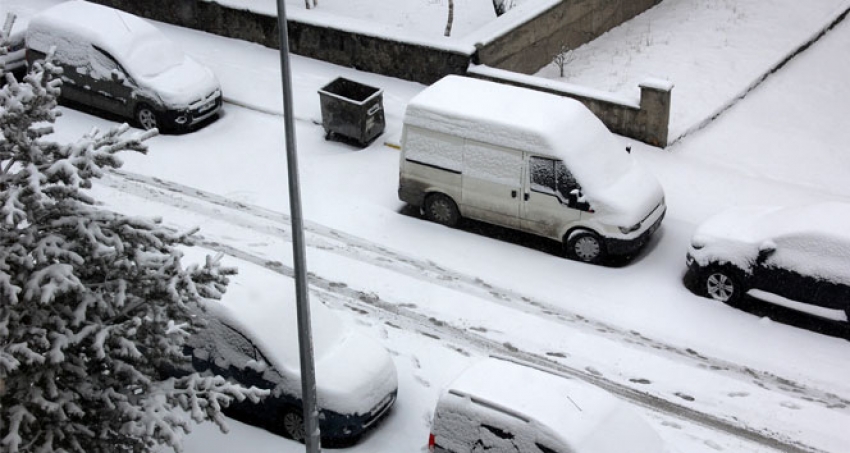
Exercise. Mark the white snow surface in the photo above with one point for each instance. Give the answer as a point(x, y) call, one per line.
point(783, 144)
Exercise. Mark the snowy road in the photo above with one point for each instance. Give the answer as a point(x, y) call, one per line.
point(251, 233)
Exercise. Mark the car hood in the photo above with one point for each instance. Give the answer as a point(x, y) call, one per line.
point(355, 375)
point(732, 236)
point(182, 85)
point(740, 224)
point(629, 199)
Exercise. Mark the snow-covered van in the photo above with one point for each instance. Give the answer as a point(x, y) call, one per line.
point(501, 406)
point(121, 64)
point(526, 160)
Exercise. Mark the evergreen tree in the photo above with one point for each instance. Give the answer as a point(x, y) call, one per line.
point(93, 304)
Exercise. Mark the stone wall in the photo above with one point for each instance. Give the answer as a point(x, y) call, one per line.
point(567, 24)
point(522, 43)
point(647, 120)
point(405, 60)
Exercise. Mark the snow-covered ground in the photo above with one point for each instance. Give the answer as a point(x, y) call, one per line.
point(439, 298)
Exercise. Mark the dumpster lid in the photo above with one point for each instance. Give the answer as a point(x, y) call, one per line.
point(350, 91)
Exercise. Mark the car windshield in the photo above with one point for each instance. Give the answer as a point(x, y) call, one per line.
point(152, 56)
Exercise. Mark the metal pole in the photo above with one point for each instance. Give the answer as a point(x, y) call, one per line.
point(305, 339)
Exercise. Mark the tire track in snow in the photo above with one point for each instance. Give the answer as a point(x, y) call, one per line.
point(320, 237)
point(458, 338)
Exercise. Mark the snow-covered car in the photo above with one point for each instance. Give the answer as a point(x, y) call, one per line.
point(251, 338)
point(120, 64)
point(801, 254)
point(500, 406)
point(14, 59)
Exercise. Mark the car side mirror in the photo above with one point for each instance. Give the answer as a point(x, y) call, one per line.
point(766, 249)
point(117, 76)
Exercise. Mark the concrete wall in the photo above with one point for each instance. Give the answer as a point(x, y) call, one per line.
point(567, 24)
point(521, 43)
point(646, 120)
point(405, 60)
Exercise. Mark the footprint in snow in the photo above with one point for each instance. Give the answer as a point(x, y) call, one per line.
point(671, 425)
point(712, 444)
point(593, 371)
point(738, 394)
point(422, 381)
point(640, 381)
point(416, 363)
point(789, 405)
point(684, 396)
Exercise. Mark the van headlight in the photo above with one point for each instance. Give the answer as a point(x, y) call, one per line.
point(627, 230)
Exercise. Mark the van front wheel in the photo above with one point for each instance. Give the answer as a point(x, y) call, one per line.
point(441, 209)
point(146, 117)
point(585, 246)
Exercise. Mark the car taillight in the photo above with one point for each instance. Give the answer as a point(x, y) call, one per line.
point(431, 443)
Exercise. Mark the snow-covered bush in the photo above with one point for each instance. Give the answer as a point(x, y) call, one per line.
point(94, 305)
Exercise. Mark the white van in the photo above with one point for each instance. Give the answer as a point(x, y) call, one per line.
point(120, 64)
point(500, 406)
point(526, 160)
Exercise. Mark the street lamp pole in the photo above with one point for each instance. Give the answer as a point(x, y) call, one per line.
point(312, 437)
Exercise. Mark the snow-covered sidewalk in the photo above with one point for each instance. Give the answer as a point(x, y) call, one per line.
point(713, 51)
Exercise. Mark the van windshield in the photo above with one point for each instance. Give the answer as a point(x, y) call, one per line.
point(153, 56)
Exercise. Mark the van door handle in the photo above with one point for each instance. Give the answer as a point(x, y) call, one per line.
point(526, 196)
point(513, 194)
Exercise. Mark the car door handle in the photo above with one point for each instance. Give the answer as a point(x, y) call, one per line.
point(513, 194)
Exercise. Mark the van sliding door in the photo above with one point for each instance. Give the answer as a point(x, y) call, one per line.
point(492, 181)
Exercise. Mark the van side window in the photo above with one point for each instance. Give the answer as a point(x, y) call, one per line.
point(552, 177)
point(565, 180)
point(542, 175)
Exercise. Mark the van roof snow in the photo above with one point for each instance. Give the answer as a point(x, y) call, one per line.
point(508, 116)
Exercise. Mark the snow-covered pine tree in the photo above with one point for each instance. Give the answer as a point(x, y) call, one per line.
point(93, 304)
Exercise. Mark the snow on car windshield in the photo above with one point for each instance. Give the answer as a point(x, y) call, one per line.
point(153, 55)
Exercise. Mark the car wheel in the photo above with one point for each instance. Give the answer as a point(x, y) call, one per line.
point(146, 117)
point(293, 424)
point(585, 246)
point(441, 209)
point(722, 285)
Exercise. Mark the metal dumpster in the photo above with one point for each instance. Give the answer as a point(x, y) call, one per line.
point(352, 111)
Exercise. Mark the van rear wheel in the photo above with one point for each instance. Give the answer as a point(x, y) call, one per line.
point(146, 117)
point(585, 246)
point(441, 209)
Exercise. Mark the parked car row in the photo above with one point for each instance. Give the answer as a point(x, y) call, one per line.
point(119, 64)
point(546, 165)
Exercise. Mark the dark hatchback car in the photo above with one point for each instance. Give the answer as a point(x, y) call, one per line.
point(118, 63)
point(250, 338)
point(801, 254)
